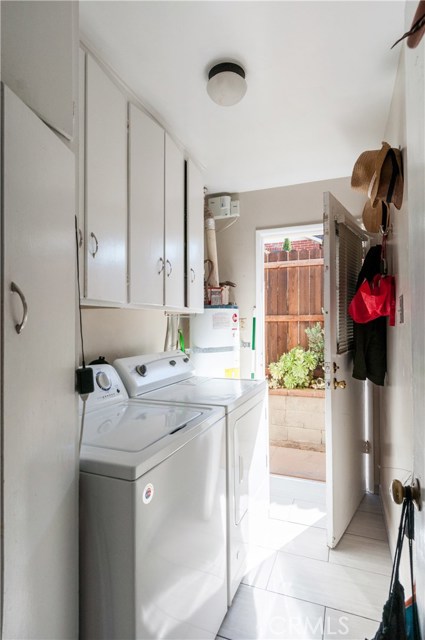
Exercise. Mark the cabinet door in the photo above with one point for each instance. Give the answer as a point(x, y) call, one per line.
point(81, 168)
point(194, 238)
point(39, 44)
point(106, 187)
point(39, 415)
point(174, 225)
point(146, 208)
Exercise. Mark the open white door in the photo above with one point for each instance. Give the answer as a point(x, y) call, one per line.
point(344, 396)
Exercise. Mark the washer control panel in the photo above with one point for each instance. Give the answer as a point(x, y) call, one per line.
point(144, 373)
point(108, 387)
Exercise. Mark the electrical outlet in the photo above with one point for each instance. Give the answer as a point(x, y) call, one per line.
point(242, 323)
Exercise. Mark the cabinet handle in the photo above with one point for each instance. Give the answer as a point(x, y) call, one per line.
point(80, 238)
point(15, 289)
point(241, 469)
point(171, 268)
point(161, 262)
point(93, 253)
point(193, 276)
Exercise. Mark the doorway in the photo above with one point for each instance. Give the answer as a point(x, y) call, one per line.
point(290, 328)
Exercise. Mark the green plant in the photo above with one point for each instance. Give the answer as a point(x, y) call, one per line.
point(316, 342)
point(293, 369)
point(286, 245)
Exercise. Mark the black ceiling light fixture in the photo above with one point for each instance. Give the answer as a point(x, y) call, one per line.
point(226, 83)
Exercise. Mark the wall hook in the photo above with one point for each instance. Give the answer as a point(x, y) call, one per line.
point(386, 232)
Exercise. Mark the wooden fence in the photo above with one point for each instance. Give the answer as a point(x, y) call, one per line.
point(293, 298)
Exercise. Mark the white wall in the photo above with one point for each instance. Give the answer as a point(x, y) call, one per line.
point(115, 333)
point(396, 421)
point(284, 206)
point(415, 192)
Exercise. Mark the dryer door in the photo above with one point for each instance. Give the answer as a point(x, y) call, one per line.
point(245, 435)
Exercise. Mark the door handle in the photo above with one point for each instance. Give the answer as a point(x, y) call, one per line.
point(161, 266)
point(399, 492)
point(241, 469)
point(192, 275)
point(15, 289)
point(171, 268)
point(93, 253)
point(339, 384)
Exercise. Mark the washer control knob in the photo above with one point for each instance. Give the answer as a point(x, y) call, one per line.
point(103, 381)
point(186, 359)
point(142, 370)
point(173, 363)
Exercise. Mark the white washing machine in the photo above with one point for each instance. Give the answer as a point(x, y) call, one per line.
point(152, 517)
point(169, 377)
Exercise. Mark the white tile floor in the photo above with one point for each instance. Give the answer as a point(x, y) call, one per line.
point(297, 588)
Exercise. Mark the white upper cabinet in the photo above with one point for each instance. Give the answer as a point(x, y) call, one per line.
point(81, 167)
point(146, 207)
point(174, 225)
point(105, 188)
point(194, 238)
point(39, 58)
point(139, 248)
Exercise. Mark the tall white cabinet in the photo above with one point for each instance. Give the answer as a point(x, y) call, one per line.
point(105, 187)
point(38, 42)
point(38, 412)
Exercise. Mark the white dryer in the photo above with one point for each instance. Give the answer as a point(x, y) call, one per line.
point(170, 377)
point(152, 518)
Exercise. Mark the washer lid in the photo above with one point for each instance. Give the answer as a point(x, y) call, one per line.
point(127, 440)
point(224, 392)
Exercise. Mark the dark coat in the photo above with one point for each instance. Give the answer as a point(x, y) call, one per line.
point(370, 338)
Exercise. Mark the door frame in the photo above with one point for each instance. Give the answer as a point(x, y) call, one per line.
point(262, 237)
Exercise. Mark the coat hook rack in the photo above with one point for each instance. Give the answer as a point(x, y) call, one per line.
point(386, 232)
point(399, 492)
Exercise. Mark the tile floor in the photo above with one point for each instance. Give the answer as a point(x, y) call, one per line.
point(296, 587)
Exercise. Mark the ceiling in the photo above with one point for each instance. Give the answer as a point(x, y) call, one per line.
point(320, 79)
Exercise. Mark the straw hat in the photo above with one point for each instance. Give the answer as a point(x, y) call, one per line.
point(379, 174)
point(375, 217)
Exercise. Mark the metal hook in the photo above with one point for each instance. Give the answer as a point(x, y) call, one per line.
point(385, 232)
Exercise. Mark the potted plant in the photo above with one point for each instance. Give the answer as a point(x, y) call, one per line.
point(301, 368)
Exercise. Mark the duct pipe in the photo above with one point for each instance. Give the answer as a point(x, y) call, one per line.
point(172, 332)
point(211, 242)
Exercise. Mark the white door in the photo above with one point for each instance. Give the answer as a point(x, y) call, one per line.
point(146, 209)
point(174, 225)
point(344, 395)
point(106, 187)
point(39, 410)
point(195, 238)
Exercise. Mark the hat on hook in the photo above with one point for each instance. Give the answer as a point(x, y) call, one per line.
point(417, 30)
point(376, 218)
point(379, 173)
